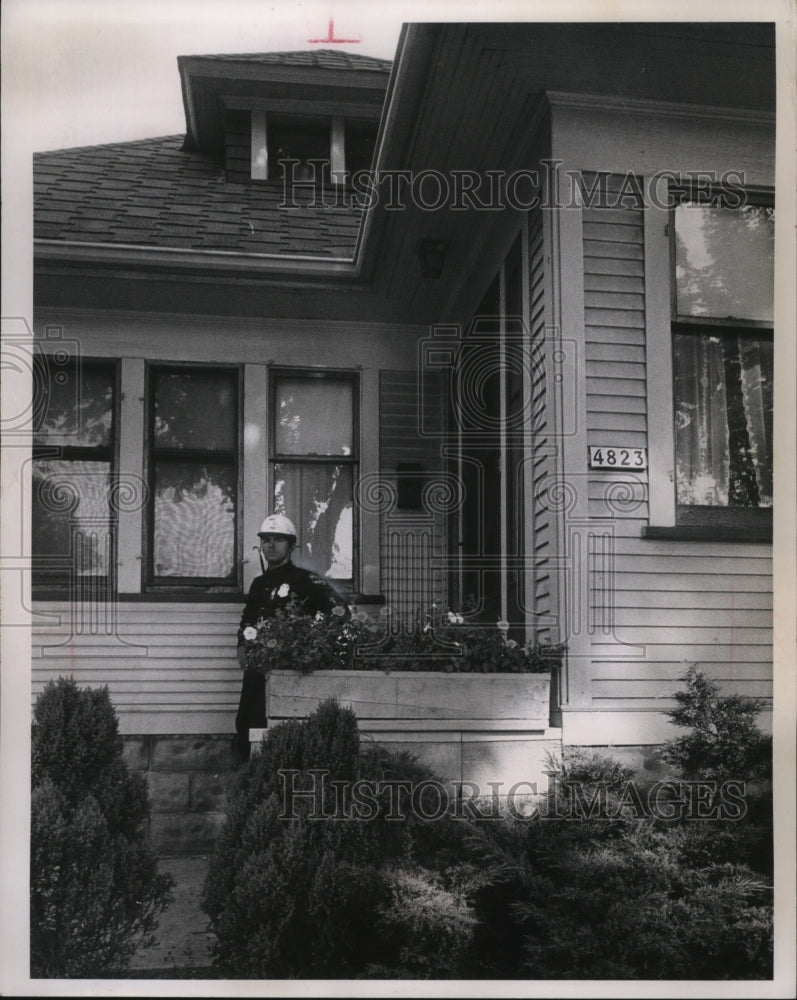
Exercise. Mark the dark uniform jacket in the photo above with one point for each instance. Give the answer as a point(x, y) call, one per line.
point(269, 592)
point(277, 587)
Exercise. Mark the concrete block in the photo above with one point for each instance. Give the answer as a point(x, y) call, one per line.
point(185, 833)
point(644, 761)
point(518, 765)
point(135, 752)
point(210, 791)
point(444, 758)
point(192, 753)
point(168, 791)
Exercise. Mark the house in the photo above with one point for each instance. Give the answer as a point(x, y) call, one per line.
point(495, 319)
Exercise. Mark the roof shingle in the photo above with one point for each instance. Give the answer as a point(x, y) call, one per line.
point(318, 58)
point(154, 193)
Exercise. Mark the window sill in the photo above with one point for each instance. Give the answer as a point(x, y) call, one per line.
point(708, 533)
point(175, 597)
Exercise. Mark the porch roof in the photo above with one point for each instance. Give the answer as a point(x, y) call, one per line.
point(154, 193)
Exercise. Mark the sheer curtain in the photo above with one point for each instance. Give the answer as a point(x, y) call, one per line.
point(723, 420)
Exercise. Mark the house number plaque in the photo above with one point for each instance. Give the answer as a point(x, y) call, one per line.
point(615, 456)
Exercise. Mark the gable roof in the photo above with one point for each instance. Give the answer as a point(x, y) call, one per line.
point(153, 193)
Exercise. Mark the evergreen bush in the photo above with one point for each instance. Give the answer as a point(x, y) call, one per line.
point(95, 890)
point(621, 896)
point(426, 925)
point(290, 894)
point(724, 739)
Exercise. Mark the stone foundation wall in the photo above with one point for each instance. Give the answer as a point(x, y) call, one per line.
point(645, 761)
point(190, 779)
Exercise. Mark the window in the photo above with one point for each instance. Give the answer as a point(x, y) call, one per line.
point(722, 297)
point(193, 477)
point(322, 149)
point(304, 140)
point(314, 467)
point(73, 523)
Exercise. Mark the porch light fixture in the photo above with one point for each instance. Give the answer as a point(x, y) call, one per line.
point(432, 255)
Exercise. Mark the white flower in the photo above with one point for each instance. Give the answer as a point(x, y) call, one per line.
point(250, 633)
point(511, 644)
point(455, 619)
point(502, 624)
point(284, 590)
point(318, 617)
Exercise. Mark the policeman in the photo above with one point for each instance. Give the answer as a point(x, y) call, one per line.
point(280, 583)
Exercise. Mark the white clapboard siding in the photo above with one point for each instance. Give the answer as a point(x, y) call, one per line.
point(169, 668)
point(656, 605)
point(617, 670)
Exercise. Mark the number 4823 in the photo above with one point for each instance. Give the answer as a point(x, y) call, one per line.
point(620, 458)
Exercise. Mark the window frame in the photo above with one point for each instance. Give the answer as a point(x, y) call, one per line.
point(353, 376)
point(150, 583)
point(668, 518)
point(339, 126)
point(43, 587)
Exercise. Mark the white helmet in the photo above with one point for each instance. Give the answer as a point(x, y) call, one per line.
point(278, 524)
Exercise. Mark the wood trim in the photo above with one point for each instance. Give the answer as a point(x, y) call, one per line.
point(709, 533)
point(618, 728)
point(169, 597)
point(304, 108)
point(78, 252)
point(569, 327)
point(369, 559)
point(658, 348)
point(258, 145)
point(131, 456)
point(337, 149)
point(655, 109)
point(254, 496)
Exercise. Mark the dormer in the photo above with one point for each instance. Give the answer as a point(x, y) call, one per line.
point(301, 115)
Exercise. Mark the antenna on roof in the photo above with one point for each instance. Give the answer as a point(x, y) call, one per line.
point(331, 36)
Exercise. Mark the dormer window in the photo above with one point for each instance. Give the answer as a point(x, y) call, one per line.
point(265, 146)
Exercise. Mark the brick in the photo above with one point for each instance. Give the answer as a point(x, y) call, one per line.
point(210, 791)
point(192, 753)
point(168, 791)
point(135, 752)
point(185, 833)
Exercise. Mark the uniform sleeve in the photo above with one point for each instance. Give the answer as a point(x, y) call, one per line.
point(321, 597)
point(251, 611)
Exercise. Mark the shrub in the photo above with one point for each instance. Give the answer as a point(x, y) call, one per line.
point(293, 895)
point(614, 895)
point(94, 887)
point(725, 741)
point(425, 928)
point(614, 899)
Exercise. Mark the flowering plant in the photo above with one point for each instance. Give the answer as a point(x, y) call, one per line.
point(438, 639)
